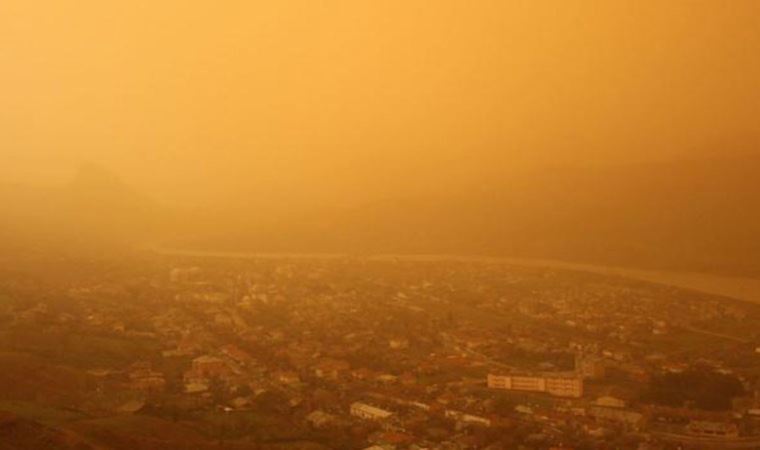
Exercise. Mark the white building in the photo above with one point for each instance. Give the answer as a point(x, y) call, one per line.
point(365, 411)
point(320, 419)
point(467, 418)
point(557, 385)
point(610, 402)
point(398, 344)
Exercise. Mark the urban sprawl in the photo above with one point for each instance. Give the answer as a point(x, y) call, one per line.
point(386, 353)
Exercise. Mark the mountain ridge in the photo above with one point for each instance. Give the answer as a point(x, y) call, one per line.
point(691, 215)
point(685, 215)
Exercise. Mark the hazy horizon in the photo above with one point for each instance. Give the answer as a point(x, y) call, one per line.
point(621, 132)
point(336, 102)
point(379, 224)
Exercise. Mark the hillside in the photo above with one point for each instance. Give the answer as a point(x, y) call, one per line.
point(695, 215)
point(18, 433)
point(35, 379)
point(94, 212)
point(683, 215)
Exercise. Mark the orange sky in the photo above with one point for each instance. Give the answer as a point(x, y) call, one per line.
point(199, 101)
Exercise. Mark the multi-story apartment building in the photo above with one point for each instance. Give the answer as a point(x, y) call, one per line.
point(557, 385)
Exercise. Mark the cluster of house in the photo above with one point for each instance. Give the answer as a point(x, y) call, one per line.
point(394, 347)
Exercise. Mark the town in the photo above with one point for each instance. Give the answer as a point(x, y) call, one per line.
point(373, 353)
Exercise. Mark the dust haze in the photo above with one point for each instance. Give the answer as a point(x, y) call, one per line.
point(256, 117)
point(379, 224)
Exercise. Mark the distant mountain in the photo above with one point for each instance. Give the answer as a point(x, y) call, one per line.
point(96, 210)
point(696, 215)
point(105, 206)
point(693, 215)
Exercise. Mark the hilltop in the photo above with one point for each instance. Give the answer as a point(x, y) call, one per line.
point(94, 212)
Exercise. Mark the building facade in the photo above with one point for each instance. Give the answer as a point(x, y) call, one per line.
point(365, 411)
point(556, 385)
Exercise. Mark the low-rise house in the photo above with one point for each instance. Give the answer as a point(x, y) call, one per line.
point(610, 402)
point(398, 344)
point(210, 366)
point(365, 411)
point(467, 418)
point(237, 354)
point(320, 419)
point(288, 378)
point(143, 377)
point(331, 369)
point(387, 378)
point(712, 429)
point(627, 418)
